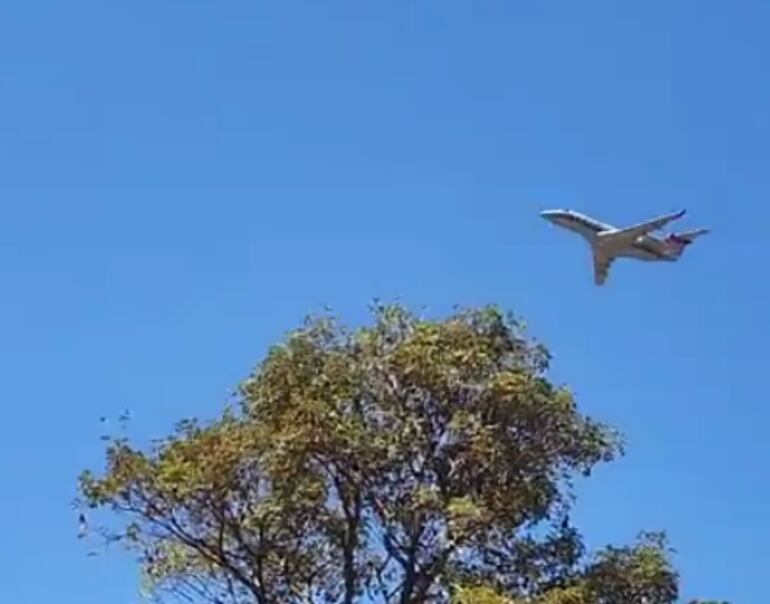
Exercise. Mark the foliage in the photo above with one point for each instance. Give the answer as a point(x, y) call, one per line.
point(409, 461)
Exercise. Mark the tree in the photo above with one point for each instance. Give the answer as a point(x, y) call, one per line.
point(410, 461)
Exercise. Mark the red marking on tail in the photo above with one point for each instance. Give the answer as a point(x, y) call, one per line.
point(674, 238)
point(676, 244)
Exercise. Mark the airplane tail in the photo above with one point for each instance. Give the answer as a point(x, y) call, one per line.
point(677, 242)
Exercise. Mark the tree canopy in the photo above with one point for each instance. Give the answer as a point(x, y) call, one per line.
point(408, 461)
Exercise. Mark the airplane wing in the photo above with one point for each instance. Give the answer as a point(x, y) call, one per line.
point(644, 228)
point(602, 264)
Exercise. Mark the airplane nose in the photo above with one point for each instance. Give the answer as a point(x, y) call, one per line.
point(547, 214)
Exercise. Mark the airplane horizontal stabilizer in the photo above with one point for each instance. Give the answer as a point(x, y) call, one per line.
point(676, 242)
point(689, 236)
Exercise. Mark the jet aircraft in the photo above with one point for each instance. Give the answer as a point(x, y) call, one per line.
point(637, 241)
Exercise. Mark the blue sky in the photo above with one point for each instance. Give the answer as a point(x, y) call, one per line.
point(182, 181)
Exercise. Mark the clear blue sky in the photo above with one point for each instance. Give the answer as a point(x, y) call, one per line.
point(182, 181)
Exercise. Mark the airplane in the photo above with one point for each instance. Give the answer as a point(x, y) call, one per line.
point(609, 243)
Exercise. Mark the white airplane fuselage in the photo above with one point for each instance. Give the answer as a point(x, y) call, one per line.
point(645, 247)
